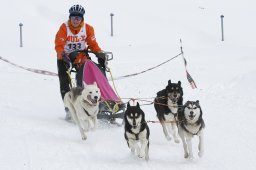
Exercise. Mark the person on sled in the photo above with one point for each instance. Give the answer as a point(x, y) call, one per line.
point(75, 35)
point(72, 42)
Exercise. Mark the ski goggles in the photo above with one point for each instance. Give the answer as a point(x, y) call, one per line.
point(78, 18)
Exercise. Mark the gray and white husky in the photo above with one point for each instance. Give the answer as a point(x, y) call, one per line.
point(191, 124)
point(83, 105)
point(136, 131)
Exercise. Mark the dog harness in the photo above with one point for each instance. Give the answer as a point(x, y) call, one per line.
point(166, 113)
point(137, 134)
point(200, 128)
point(87, 113)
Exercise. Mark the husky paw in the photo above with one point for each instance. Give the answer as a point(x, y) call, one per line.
point(141, 155)
point(185, 155)
point(68, 116)
point(190, 157)
point(137, 151)
point(168, 138)
point(176, 140)
point(200, 154)
point(146, 157)
point(84, 137)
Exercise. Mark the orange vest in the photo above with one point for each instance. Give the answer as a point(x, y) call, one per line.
point(62, 37)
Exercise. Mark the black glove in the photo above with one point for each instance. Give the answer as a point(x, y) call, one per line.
point(101, 59)
point(66, 60)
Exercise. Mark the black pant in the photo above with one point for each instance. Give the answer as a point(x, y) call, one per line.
point(65, 81)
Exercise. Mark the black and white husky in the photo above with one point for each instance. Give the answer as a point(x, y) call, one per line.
point(83, 105)
point(166, 105)
point(191, 124)
point(136, 131)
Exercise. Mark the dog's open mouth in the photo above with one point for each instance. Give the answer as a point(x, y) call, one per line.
point(94, 101)
point(191, 117)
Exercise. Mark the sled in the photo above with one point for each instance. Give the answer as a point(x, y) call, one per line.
point(111, 107)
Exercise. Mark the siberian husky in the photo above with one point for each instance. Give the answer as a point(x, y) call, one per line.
point(191, 123)
point(83, 105)
point(166, 105)
point(136, 131)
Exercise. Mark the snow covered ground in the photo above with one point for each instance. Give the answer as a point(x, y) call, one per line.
point(34, 135)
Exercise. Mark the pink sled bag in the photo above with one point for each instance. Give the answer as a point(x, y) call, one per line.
point(91, 74)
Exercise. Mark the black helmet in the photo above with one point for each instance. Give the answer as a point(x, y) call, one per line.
point(77, 10)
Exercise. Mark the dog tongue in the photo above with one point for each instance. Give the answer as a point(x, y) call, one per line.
point(94, 101)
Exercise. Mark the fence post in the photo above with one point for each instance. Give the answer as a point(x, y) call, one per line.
point(21, 34)
point(111, 16)
point(222, 29)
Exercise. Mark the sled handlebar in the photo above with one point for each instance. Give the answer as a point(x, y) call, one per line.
point(109, 55)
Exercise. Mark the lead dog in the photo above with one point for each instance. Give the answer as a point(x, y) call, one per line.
point(83, 105)
point(191, 124)
point(166, 105)
point(136, 131)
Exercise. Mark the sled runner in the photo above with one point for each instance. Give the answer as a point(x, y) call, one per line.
point(111, 106)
